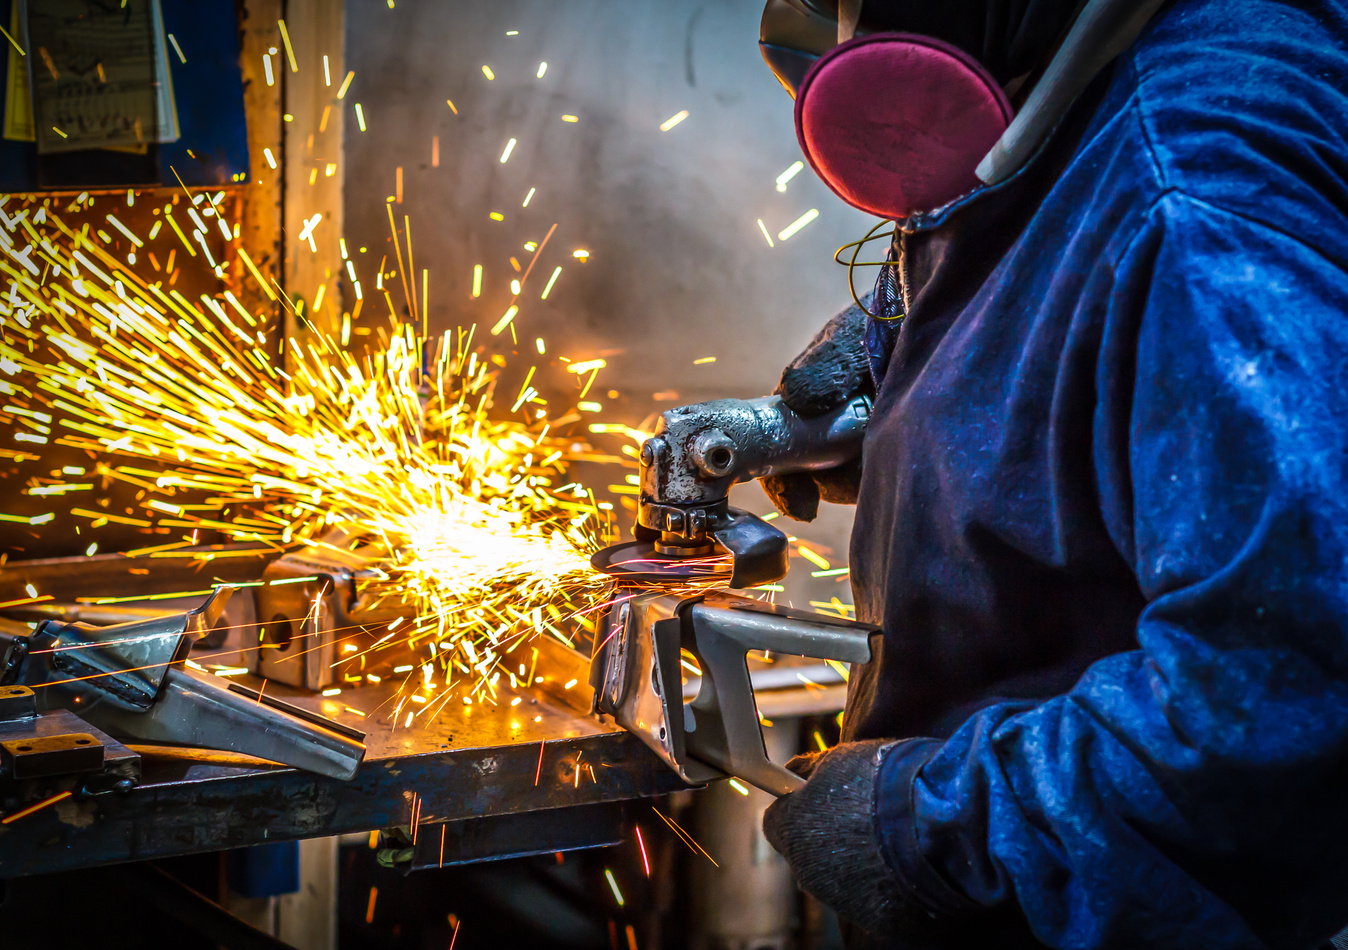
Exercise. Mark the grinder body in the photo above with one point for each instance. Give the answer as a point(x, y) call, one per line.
point(688, 467)
point(700, 451)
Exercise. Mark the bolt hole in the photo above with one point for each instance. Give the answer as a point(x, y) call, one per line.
point(279, 632)
point(720, 457)
point(81, 742)
point(25, 748)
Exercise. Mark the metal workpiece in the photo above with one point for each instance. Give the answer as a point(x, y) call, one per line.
point(201, 709)
point(126, 663)
point(131, 680)
point(548, 831)
point(309, 603)
point(474, 770)
point(637, 680)
point(95, 614)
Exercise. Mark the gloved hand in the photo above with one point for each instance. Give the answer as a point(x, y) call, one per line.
point(827, 833)
point(830, 371)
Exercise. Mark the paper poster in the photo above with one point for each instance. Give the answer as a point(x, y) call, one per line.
point(99, 75)
point(18, 100)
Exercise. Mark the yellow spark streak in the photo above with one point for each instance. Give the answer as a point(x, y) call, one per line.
point(290, 50)
point(786, 233)
point(360, 117)
point(538, 74)
point(673, 120)
point(257, 274)
point(766, 235)
point(177, 49)
point(506, 319)
point(814, 558)
point(792, 171)
point(24, 813)
point(551, 280)
point(505, 154)
point(486, 71)
point(613, 886)
point(402, 446)
point(586, 366)
point(346, 84)
point(684, 836)
point(14, 43)
point(23, 519)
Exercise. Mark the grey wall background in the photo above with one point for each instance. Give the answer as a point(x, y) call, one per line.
point(679, 269)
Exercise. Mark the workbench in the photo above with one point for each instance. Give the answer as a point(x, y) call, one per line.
point(477, 782)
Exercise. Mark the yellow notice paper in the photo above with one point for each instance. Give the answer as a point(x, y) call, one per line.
point(100, 75)
point(18, 100)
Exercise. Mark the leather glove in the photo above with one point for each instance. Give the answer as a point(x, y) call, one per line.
point(830, 371)
point(827, 833)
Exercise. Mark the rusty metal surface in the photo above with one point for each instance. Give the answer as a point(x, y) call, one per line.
point(468, 762)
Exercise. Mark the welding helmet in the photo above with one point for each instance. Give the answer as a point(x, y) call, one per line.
point(902, 106)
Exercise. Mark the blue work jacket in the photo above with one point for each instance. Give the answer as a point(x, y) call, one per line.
point(1103, 519)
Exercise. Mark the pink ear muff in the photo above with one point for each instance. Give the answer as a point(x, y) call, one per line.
point(896, 123)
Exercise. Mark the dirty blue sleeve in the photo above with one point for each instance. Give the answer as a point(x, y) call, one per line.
point(1192, 792)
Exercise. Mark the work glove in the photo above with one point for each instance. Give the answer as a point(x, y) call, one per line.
point(830, 371)
point(827, 832)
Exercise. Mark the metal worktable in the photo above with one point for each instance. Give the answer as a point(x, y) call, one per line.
point(483, 781)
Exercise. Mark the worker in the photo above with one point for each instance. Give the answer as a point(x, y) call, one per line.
point(1102, 507)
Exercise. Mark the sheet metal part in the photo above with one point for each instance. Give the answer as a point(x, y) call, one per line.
point(127, 663)
point(309, 605)
point(133, 683)
point(636, 676)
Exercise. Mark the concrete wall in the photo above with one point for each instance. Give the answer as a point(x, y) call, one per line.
point(679, 268)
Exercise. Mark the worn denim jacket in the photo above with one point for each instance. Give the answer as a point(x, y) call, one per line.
point(1104, 512)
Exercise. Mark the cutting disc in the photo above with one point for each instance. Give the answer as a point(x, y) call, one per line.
point(639, 562)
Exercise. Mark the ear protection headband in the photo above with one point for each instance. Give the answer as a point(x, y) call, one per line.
point(897, 123)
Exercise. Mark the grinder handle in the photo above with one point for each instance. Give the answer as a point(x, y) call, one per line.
point(723, 628)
